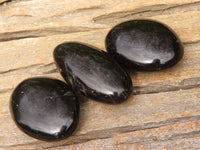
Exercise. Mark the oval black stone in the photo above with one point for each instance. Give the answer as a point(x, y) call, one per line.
point(93, 73)
point(45, 109)
point(144, 45)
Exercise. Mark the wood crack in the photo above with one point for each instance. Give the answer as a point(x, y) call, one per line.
point(8, 36)
point(5, 90)
point(191, 42)
point(88, 8)
point(148, 11)
point(54, 70)
point(6, 2)
point(165, 138)
point(51, 71)
point(109, 133)
point(164, 87)
point(16, 69)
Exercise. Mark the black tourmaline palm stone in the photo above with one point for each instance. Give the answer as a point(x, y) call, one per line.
point(45, 109)
point(93, 73)
point(144, 45)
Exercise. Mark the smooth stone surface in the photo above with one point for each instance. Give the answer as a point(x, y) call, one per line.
point(93, 73)
point(45, 109)
point(144, 45)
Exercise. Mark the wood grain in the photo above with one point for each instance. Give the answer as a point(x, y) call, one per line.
point(163, 111)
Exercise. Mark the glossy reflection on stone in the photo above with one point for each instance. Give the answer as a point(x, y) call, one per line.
point(93, 73)
point(45, 109)
point(144, 45)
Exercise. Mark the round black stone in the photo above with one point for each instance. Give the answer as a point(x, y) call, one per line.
point(144, 45)
point(93, 73)
point(45, 109)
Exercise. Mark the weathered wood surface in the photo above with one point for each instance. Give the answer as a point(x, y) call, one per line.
point(164, 109)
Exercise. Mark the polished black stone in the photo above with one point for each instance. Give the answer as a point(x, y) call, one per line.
point(93, 73)
point(45, 109)
point(144, 45)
